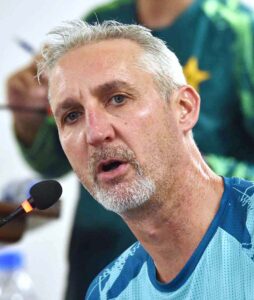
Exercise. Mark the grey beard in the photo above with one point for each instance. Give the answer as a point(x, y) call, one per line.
point(121, 196)
point(125, 196)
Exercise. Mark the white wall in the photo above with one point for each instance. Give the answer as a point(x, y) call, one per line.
point(46, 247)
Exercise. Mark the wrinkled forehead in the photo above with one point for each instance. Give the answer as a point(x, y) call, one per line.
point(98, 60)
point(101, 52)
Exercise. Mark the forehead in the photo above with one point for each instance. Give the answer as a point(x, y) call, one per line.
point(102, 55)
point(95, 64)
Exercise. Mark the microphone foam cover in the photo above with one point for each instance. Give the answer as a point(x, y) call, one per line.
point(45, 193)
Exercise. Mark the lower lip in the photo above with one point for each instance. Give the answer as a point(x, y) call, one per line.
point(121, 170)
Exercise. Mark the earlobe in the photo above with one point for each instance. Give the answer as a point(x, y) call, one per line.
point(188, 107)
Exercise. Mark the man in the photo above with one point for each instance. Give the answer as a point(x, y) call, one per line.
point(125, 116)
point(213, 41)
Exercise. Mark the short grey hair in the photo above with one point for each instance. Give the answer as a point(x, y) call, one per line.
point(157, 58)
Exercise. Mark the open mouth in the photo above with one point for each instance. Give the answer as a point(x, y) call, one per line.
point(109, 165)
point(111, 169)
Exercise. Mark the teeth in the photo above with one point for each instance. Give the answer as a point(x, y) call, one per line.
point(111, 166)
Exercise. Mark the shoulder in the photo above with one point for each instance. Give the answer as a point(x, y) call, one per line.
point(240, 193)
point(115, 277)
point(227, 14)
point(227, 9)
point(242, 189)
point(241, 214)
point(238, 219)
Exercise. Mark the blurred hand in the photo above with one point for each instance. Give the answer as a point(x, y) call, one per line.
point(23, 89)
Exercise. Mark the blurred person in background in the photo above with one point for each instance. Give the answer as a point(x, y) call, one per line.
point(213, 40)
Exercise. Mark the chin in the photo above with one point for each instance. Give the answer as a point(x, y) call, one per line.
point(124, 197)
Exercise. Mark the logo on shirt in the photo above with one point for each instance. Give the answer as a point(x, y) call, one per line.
point(193, 74)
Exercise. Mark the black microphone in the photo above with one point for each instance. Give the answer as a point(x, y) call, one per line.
point(43, 195)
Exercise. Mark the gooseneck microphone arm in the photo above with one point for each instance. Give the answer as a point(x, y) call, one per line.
point(18, 212)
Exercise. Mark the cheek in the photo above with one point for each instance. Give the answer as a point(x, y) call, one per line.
point(148, 131)
point(74, 147)
point(152, 123)
point(154, 136)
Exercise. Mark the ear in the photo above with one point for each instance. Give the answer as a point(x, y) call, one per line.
point(187, 107)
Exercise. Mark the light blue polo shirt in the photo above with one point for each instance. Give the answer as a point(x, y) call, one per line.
point(221, 267)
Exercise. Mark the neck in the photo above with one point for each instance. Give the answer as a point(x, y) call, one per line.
point(182, 213)
point(157, 14)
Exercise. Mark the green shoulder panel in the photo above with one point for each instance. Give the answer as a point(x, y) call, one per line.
point(46, 155)
point(241, 21)
point(230, 167)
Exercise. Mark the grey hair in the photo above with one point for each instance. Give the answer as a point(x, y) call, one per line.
point(157, 58)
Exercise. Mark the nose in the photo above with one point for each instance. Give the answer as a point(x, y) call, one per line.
point(99, 128)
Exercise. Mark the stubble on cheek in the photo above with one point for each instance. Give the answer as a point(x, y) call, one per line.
point(120, 153)
point(88, 174)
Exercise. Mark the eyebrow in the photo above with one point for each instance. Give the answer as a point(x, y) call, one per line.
point(65, 105)
point(111, 86)
point(101, 90)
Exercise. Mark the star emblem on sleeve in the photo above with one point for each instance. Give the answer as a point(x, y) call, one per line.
point(193, 74)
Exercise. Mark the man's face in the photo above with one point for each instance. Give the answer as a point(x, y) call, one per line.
point(119, 135)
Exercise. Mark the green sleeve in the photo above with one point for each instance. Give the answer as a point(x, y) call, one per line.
point(46, 155)
point(230, 167)
point(242, 22)
point(245, 67)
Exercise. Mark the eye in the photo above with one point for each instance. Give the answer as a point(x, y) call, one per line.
point(72, 117)
point(118, 99)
